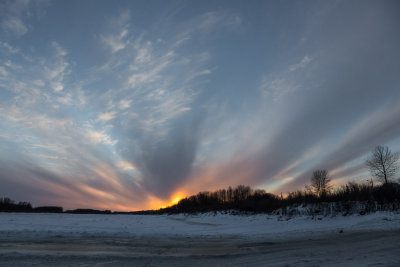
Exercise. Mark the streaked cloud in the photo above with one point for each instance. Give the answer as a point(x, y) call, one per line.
point(107, 116)
point(303, 63)
point(9, 48)
point(56, 72)
point(117, 32)
point(16, 15)
point(15, 25)
point(125, 166)
point(100, 137)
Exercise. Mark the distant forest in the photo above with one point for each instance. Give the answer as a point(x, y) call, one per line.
point(9, 205)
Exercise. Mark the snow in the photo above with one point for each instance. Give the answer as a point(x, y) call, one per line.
point(199, 240)
point(208, 224)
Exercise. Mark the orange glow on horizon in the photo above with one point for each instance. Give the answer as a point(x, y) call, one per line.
point(156, 203)
point(175, 199)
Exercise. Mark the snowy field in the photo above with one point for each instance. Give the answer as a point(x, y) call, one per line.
point(198, 240)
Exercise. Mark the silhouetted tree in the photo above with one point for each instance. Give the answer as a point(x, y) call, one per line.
point(9, 205)
point(383, 163)
point(229, 194)
point(320, 182)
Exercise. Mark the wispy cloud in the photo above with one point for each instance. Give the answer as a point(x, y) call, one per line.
point(302, 64)
point(15, 16)
point(125, 166)
point(9, 48)
point(107, 116)
point(3, 72)
point(15, 25)
point(124, 104)
point(276, 87)
point(284, 81)
point(97, 137)
point(59, 69)
point(116, 37)
point(209, 23)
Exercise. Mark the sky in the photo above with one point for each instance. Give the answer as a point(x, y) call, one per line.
point(130, 105)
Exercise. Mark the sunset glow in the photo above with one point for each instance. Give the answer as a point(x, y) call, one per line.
point(176, 198)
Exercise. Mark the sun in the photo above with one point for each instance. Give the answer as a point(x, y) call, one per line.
point(175, 199)
point(157, 203)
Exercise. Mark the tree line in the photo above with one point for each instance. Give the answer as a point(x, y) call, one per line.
point(9, 205)
point(244, 198)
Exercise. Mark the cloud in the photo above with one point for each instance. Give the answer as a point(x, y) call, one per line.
point(50, 188)
point(377, 128)
point(276, 87)
point(16, 14)
point(65, 100)
point(157, 128)
point(346, 172)
point(144, 53)
point(33, 80)
point(12, 65)
point(39, 83)
point(289, 164)
point(148, 76)
point(97, 137)
point(15, 25)
point(302, 64)
point(124, 104)
point(3, 71)
point(107, 116)
point(125, 166)
point(59, 69)
point(117, 32)
point(115, 42)
point(60, 51)
point(60, 160)
point(165, 165)
point(9, 48)
point(207, 24)
point(147, 149)
point(342, 91)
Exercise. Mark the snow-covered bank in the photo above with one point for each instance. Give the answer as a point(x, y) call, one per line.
point(204, 225)
point(334, 209)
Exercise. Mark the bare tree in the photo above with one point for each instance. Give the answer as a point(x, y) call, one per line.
point(320, 182)
point(383, 164)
